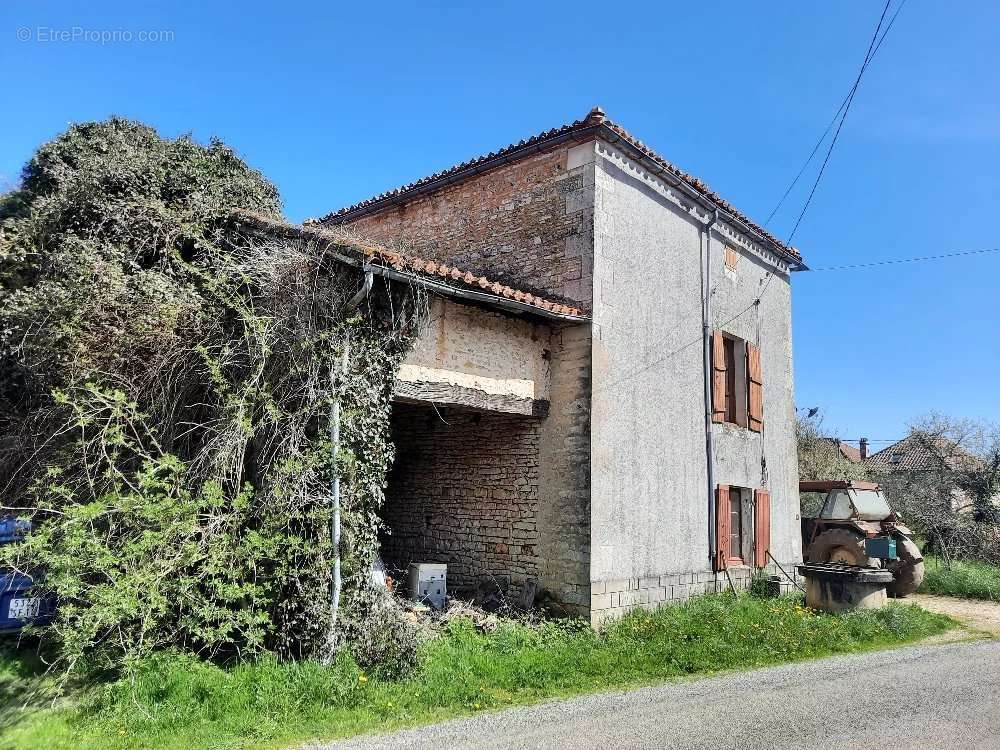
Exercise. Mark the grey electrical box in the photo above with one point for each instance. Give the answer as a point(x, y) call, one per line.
point(428, 583)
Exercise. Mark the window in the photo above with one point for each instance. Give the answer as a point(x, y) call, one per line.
point(737, 384)
point(731, 398)
point(838, 506)
point(733, 527)
point(736, 525)
point(742, 527)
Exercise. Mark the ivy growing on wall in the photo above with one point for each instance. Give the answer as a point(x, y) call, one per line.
point(165, 385)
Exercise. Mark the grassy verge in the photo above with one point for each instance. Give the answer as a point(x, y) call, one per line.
point(176, 702)
point(970, 580)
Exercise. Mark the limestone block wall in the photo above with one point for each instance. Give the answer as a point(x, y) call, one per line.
point(615, 598)
point(464, 491)
point(483, 350)
point(529, 224)
point(564, 473)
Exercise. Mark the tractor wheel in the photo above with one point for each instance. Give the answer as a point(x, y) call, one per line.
point(907, 571)
point(841, 546)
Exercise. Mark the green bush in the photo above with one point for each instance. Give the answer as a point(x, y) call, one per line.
point(165, 384)
point(383, 641)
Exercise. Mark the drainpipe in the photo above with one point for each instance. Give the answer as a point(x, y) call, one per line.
point(336, 383)
point(706, 320)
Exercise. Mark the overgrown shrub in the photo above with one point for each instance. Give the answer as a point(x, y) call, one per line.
point(166, 384)
point(383, 642)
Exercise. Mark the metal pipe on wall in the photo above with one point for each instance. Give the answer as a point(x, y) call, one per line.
point(706, 318)
point(336, 386)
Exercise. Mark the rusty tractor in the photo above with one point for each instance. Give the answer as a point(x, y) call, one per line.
point(856, 526)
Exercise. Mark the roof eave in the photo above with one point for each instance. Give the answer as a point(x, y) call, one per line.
point(273, 227)
point(586, 130)
point(408, 194)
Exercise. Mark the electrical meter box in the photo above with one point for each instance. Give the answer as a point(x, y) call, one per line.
point(428, 583)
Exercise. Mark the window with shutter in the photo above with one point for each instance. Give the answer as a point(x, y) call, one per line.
point(730, 379)
point(755, 390)
point(722, 526)
point(718, 377)
point(761, 527)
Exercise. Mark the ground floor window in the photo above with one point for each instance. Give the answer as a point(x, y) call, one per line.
point(735, 525)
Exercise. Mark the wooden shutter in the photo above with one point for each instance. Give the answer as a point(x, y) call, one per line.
point(718, 377)
point(755, 388)
point(722, 526)
point(761, 527)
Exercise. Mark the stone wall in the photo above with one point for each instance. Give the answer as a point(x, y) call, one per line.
point(464, 491)
point(528, 224)
point(616, 598)
point(491, 357)
point(564, 476)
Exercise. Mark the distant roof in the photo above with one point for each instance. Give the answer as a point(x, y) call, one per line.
point(847, 450)
point(595, 124)
point(920, 453)
point(444, 278)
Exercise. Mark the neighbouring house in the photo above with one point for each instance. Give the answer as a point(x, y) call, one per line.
point(601, 402)
point(918, 452)
point(923, 455)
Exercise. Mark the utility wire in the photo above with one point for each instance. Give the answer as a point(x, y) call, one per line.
point(833, 120)
point(843, 118)
point(647, 364)
point(905, 260)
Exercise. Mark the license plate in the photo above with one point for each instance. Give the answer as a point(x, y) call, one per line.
point(24, 609)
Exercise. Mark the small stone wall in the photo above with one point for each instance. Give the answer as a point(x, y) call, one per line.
point(612, 599)
point(464, 491)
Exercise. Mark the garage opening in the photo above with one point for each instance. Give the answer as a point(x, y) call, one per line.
point(463, 490)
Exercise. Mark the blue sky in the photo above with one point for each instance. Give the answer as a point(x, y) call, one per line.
point(335, 104)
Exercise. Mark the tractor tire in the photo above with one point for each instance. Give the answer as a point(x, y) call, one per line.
point(907, 571)
point(841, 546)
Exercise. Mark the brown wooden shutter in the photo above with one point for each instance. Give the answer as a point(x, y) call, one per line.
point(722, 526)
point(755, 388)
point(761, 527)
point(718, 377)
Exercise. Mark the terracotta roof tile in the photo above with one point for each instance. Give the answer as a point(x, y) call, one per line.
point(399, 261)
point(594, 125)
point(921, 453)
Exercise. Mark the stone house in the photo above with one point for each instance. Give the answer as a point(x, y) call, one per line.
point(602, 399)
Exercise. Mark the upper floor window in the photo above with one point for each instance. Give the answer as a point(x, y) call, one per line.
point(737, 383)
point(734, 413)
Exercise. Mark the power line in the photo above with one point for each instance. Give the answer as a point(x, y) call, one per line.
point(918, 259)
point(843, 118)
point(829, 126)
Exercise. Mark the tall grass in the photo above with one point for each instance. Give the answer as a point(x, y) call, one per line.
point(175, 701)
point(967, 579)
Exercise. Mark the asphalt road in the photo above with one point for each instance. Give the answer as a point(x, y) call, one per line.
point(924, 697)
